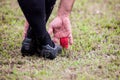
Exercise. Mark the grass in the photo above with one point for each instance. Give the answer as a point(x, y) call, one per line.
point(95, 54)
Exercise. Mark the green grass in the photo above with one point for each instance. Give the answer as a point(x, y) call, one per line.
point(95, 54)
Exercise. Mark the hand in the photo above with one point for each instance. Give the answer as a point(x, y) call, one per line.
point(60, 27)
point(25, 29)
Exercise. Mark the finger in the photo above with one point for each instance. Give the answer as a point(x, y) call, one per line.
point(70, 39)
point(26, 26)
point(55, 40)
point(50, 30)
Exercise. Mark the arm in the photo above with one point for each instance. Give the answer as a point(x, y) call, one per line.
point(61, 26)
point(65, 8)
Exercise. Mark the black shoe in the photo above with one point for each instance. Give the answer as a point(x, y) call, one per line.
point(27, 49)
point(28, 45)
point(50, 52)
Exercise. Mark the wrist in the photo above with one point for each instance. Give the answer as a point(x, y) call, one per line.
point(65, 7)
point(63, 13)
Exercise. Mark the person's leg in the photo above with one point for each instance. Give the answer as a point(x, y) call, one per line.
point(34, 11)
point(49, 5)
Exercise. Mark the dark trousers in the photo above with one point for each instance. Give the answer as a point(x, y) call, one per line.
point(37, 13)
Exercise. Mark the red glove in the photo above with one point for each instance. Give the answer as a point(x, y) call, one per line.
point(60, 27)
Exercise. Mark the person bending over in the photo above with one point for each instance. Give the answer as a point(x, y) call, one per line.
point(37, 38)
